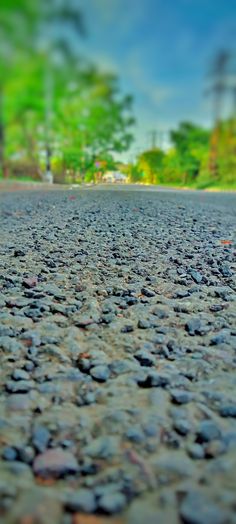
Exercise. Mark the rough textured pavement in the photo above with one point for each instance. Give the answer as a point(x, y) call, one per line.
point(117, 349)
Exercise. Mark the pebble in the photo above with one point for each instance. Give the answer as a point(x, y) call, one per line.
point(182, 426)
point(228, 410)
point(215, 448)
point(208, 431)
point(135, 434)
point(160, 313)
point(100, 373)
point(195, 451)
point(127, 329)
point(198, 509)
point(196, 276)
point(19, 386)
point(40, 438)
point(154, 379)
point(220, 338)
point(144, 324)
point(55, 463)
point(144, 358)
point(148, 292)
point(9, 453)
point(82, 500)
point(195, 326)
point(122, 366)
point(181, 293)
point(112, 503)
point(180, 396)
point(102, 447)
point(20, 374)
point(19, 253)
point(26, 454)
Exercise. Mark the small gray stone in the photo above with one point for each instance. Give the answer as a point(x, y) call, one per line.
point(160, 313)
point(112, 503)
point(9, 453)
point(228, 410)
point(123, 366)
point(26, 454)
point(101, 373)
point(196, 276)
point(20, 374)
point(154, 379)
point(40, 438)
point(102, 447)
point(182, 426)
point(144, 324)
point(144, 358)
point(19, 386)
point(135, 434)
point(195, 451)
point(207, 431)
point(55, 463)
point(195, 326)
point(82, 500)
point(220, 338)
point(214, 448)
point(148, 292)
point(197, 509)
point(180, 396)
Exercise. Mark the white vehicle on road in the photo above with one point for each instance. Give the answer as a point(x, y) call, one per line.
point(114, 177)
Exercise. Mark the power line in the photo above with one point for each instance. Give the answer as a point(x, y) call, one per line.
point(156, 138)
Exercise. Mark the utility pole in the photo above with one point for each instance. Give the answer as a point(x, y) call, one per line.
point(218, 82)
point(232, 85)
point(218, 85)
point(161, 137)
point(153, 138)
point(232, 89)
point(156, 138)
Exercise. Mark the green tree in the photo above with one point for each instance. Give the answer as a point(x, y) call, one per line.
point(191, 143)
point(91, 119)
point(58, 22)
point(16, 29)
point(150, 163)
point(59, 109)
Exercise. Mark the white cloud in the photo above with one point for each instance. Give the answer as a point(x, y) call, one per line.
point(155, 92)
point(158, 94)
point(123, 14)
point(105, 62)
point(105, 8)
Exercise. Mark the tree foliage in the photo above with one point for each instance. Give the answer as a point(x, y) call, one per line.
point(188, 162)
point(56, 109)
point(150, 164)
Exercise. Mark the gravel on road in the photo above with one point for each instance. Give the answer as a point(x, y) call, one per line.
point(118, 357)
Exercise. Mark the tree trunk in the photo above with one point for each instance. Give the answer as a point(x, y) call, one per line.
point(48, 176)
point(48, 173)
point(3, 167)
point(214, 146)
point(184, 178)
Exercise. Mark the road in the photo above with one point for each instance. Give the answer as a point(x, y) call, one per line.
point(117, 348)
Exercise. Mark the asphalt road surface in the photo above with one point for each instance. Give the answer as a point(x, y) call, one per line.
point(118, 357)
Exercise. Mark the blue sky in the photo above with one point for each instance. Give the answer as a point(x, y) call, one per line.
point(161, 51)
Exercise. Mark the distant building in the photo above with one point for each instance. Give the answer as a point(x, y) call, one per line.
point(115, 177)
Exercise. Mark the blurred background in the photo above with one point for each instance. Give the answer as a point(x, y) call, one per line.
point(115, 91)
